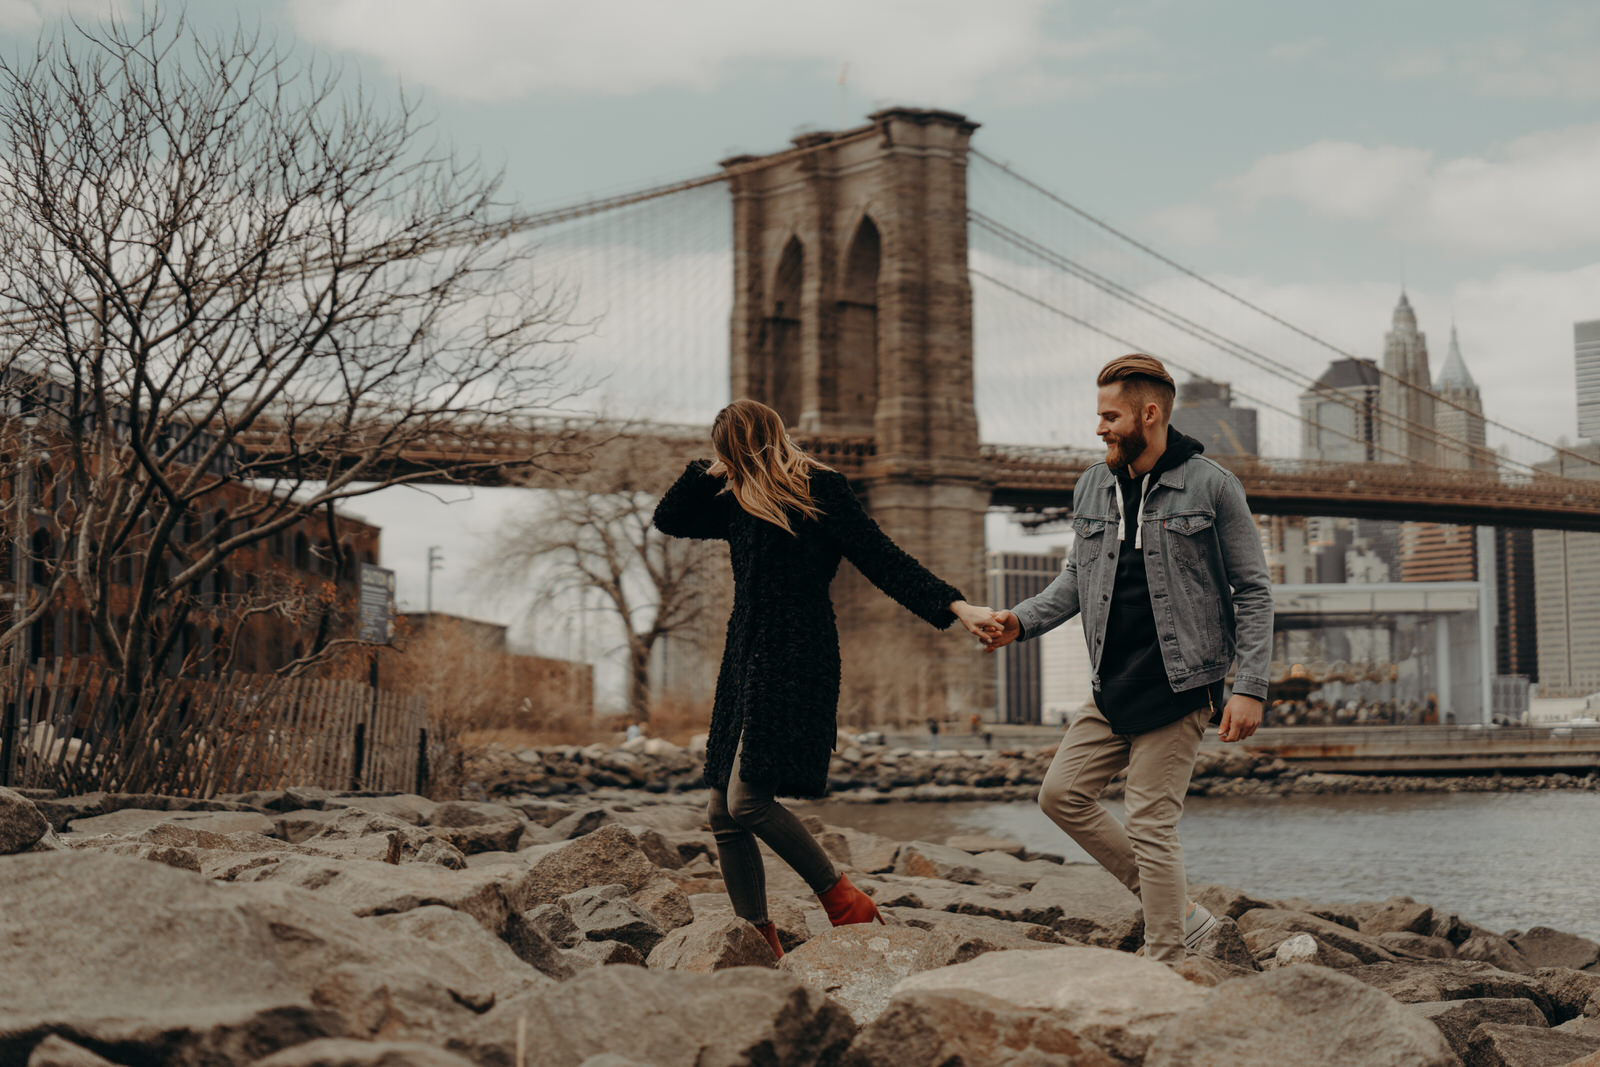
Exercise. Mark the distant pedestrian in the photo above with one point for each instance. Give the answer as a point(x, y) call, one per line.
point(933, 734)
point(634, 731)
point(787, 520)
point(1167, 570)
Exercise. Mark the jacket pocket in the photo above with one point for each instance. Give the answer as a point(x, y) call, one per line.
point(1085, 527)
point(1189, 525)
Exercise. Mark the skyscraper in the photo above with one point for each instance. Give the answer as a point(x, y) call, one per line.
point(1586, 341)
point(1461, 415)
point(1338, 416)
point(1566, 575)
point(1405, 394)
point(1013, 578)
point(1205, 411)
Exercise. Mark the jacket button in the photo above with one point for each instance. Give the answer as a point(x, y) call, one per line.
point(1104, 598)
point(1111, 555)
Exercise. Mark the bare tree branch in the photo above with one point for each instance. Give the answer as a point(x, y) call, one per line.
point(231, 282)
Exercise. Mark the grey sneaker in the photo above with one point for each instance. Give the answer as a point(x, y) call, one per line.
point(1197, 926)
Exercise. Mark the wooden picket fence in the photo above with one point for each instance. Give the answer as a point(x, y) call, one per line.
point(203, 737)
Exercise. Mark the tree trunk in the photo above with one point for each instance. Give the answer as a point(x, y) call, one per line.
point(639, 677)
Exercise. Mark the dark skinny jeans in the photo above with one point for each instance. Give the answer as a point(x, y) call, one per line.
point(747, 812)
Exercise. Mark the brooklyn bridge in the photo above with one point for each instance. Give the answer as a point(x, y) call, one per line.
point(930, 322)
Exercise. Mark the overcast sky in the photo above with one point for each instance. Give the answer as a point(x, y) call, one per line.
point(1315, 156)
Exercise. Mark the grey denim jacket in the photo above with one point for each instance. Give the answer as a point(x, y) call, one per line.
point(1208, 578)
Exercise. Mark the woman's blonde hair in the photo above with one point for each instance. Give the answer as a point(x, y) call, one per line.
point(768, 474)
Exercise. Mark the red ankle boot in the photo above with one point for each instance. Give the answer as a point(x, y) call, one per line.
point(846, 904)
point(769, 930)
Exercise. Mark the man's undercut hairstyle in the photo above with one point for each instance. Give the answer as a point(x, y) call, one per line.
point(1144, 380)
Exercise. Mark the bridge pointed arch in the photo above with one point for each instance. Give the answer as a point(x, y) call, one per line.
point(781, 334)
point(855, 363)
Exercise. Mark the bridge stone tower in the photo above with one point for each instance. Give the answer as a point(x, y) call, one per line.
point(852, 316)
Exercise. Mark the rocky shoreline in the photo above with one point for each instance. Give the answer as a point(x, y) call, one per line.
point(876, 774)
point(302, 928)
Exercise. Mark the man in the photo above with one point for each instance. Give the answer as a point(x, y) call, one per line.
point(1166, 567)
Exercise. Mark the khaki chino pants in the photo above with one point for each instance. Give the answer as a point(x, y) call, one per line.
point(1144, 854)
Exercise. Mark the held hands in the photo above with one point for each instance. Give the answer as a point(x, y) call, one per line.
point(1007, 629)
point(979, 622)
point(1240, 717)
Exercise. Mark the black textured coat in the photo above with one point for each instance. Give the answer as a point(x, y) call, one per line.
point(779, 682)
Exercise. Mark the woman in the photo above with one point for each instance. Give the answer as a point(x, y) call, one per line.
point(787, 520)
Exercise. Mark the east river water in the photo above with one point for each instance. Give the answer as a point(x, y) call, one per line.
point(1502, 860)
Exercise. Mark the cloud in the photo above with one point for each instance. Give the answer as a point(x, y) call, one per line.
point(1536, 193)
point(1555, 60)
point(933, 51)
point(27, 16)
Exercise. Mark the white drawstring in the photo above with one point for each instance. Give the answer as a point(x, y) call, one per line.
point(1138, 529)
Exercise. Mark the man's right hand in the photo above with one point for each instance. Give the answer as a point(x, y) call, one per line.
point(1010, 630)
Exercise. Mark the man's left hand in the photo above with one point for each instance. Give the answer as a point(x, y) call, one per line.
point(1240, 717)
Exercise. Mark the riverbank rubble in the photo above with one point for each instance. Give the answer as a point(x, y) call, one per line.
point(301, 927)
point(870, 774)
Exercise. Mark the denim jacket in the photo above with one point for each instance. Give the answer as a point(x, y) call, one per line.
point(1208, 577)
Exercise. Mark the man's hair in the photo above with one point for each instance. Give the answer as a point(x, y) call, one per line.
point(1144, 380)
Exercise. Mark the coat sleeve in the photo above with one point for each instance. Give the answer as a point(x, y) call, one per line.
point(1252, 589)
point(1056, 602)
point(884, 563)
point(691, 508)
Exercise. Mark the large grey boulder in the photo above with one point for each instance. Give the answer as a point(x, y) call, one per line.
point(21, 823)
point(1080, 901)
point(475, 828)
point(921, 859)
point(1000, 932)
point(665, 1019)
point(1457, 1019)
point(345, 1052)
point(1420, 981)
point(714, 944)
point(967, 1029)
point(131, 821)
point(56, 1051)
point(408, 807)
point(368, 888)
point(371, 835)
point(1399, 915)
point(604, 913)
point(1263, 925)
point(609, 855)
point(1117, 1001)
point(1299, 1015)
point(162, 966)
point(868, 852)
point(1572, 993)
point(1500, 1045)
point(484, 956)
point(1544, 947)
point(859, 965)
point(1492, 948)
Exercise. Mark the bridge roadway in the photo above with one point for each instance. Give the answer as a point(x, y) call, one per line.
point(1040, 480)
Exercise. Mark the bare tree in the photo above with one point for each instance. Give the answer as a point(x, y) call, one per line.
point(236, 290)
point(598, 536)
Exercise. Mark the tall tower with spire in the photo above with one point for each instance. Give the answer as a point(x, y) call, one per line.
point(1461, 415)
point(1404, 398)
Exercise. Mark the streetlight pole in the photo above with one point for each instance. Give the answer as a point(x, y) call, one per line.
point(435, 562)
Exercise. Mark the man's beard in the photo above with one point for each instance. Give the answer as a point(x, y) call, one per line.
point(1123, 451)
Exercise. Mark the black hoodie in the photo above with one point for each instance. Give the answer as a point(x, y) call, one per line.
point(1135, 695)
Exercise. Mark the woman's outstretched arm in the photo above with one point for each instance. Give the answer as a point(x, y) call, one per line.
point(691, 508)
point(884, 563)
